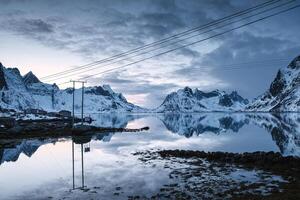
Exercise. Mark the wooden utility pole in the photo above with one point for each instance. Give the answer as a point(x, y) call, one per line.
point(73, 105)
point(82, 99)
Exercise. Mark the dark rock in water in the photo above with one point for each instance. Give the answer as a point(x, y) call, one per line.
point(258, 159)
point(7, 122)
point(82, 139)
point(35, 111)
point(65, 113)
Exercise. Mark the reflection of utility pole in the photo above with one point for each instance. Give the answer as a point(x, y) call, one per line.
point(73, 165)
point(82, 98)
point(82, 173)
point(82, 167)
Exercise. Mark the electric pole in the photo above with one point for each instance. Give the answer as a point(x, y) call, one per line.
point(82, 99)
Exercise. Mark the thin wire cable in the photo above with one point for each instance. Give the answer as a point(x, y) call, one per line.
point(169, 38)
point(198, 41)
point(176, 42)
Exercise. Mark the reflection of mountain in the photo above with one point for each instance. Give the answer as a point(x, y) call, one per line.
point(195, 124)
point(12, 151)
point(28, 147)
point(284, 128)
point(115, 120)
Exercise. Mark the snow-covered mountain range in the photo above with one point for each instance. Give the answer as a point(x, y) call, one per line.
point(23, 92)
point(188, 100)
point(284, 91)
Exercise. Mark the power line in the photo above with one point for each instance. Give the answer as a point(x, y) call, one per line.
point(238, 66)
point(198, 41)
point(176, 42)
point(176, 36)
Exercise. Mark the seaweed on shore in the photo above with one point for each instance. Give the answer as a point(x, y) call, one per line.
point(201, 174)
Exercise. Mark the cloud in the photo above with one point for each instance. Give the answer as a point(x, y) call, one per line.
point(29, 27)
point(100, 29)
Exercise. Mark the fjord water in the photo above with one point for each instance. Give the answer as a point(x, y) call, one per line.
point(39, 168)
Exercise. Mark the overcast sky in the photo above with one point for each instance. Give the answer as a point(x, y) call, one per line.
point(49, 36)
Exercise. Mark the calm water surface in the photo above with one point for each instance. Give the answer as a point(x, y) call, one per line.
point(36, 169)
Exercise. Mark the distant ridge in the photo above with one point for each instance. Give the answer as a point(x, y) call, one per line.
point(188, 100)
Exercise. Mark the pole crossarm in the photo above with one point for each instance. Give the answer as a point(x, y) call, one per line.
point(78, 81)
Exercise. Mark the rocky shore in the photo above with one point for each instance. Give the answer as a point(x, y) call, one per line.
point(54, 128)
point(209, 175)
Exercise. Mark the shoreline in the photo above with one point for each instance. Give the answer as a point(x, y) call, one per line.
point(267, 162)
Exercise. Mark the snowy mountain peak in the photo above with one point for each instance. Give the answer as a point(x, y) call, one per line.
point(25, 92)
point(3, 84)
point(108, 88)
point(295, 64)
point(187, 100)
point(14, 94)
point(284, 91)
point(30, 78)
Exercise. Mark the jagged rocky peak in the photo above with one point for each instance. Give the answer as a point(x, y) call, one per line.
point(200, 94)
point(236, 97)
point(30, 78)
point(3, 84)
point(97, 90)
point(278, 84)
point(23, 92)
point(284, 91)
point(188, 91)
point(188, 100)
point(295, 64)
